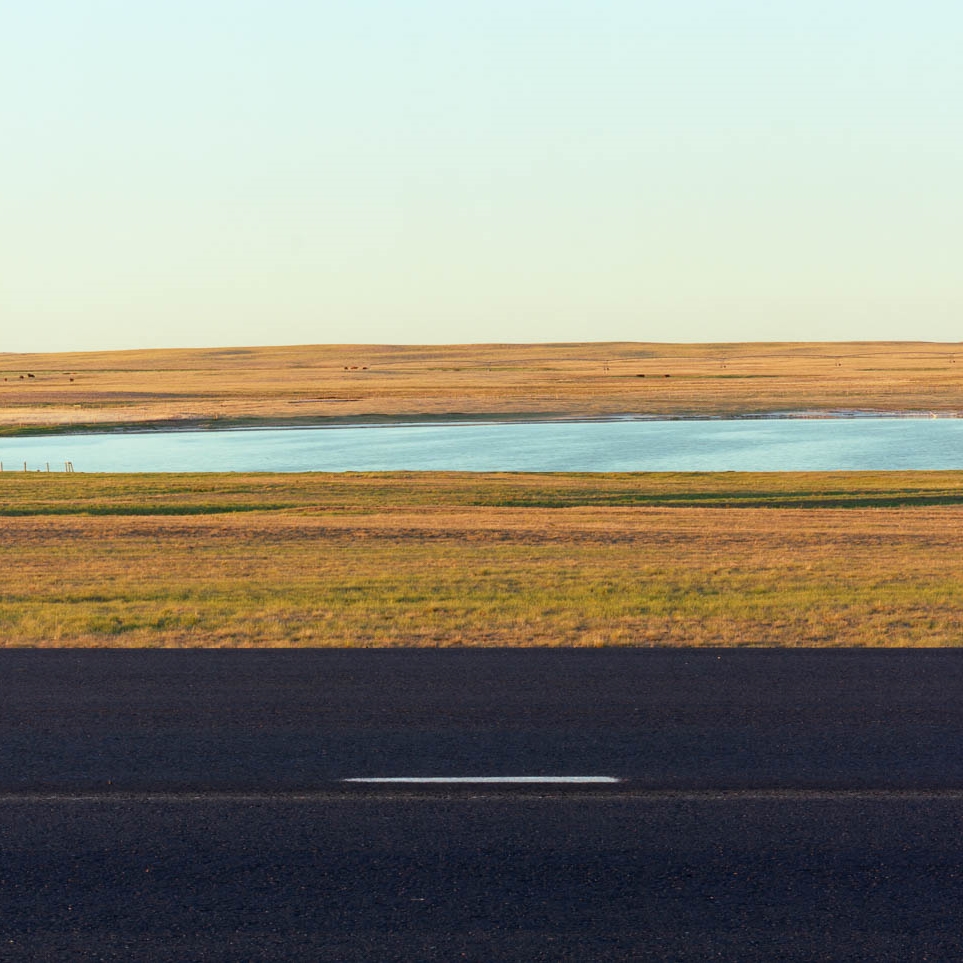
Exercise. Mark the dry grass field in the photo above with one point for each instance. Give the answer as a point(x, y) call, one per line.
point(321, 384)
point(869, 559)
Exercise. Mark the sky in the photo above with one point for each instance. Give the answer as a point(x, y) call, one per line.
point(232, 172)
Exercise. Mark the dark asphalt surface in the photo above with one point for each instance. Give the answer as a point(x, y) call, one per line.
point(189, 805)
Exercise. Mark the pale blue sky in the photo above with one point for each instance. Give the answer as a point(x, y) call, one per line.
point(249, 172)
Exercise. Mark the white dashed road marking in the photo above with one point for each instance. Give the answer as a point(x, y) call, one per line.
point(486, 780)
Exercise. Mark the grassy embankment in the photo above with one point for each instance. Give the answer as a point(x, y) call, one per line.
point(321, 384)
point(868, 559)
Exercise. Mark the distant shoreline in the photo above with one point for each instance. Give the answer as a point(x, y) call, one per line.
point(320, 386)
point(453, 419)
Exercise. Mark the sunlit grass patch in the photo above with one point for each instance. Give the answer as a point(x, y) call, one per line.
point(438, 560)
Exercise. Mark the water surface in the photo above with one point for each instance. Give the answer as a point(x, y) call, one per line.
point(741, 445)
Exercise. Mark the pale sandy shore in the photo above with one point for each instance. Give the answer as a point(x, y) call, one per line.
point(187, 424)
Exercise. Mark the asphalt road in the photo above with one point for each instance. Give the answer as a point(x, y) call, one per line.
point(769, 805)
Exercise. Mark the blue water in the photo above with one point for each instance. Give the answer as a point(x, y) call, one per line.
point(756, 445)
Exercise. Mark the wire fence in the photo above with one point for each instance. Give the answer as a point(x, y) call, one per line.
point(68, 467)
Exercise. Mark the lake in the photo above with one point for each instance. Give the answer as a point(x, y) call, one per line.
point(720, 445)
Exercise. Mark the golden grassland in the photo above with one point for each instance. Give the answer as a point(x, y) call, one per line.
point(396, 559)
point(321, 384)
